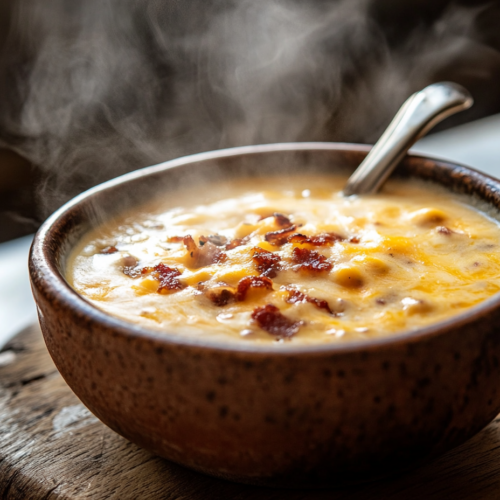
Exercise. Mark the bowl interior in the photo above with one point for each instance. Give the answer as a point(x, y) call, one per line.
point(110, 199)
point(65, 228)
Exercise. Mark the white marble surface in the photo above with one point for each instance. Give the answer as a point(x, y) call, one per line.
point(17, 308)
point(476, 144)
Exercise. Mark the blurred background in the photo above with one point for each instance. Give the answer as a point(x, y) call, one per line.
point(94, 88)
point(91, 89)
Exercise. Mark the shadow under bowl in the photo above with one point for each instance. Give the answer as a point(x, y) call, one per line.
point(295, 416)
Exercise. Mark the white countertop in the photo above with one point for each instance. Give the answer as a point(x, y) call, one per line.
point(17, 308)
point(476, 144)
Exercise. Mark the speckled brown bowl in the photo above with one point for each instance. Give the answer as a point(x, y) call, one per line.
point(311, 416)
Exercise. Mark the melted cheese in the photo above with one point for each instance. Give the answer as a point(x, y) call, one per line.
point(409, 257)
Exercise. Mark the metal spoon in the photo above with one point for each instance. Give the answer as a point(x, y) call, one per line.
point(415, 118)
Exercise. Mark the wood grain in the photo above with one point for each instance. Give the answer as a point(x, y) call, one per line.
point(51, 447)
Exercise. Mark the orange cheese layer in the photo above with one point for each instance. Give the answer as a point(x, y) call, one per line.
point(408, 257)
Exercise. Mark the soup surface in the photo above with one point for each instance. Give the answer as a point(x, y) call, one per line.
point(262, 261)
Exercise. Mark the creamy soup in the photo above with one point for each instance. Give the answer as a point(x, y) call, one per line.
point(264, 262)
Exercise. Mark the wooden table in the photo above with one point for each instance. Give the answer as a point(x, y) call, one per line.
point(51, 447)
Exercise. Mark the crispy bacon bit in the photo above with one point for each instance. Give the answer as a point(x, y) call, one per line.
point(310, 260)
point(267, 263)
point(109, 250)
point(444, 230)
point(354, 239)
point(168, 278)
point(205, 255)
point(219, 293)
point(237, 242)
point(252, 282)
point(318, 240)
point(216, 239)
point(270, 319)
point(298, 238)
point(281, 220)
point(190, 244)
point(222, 298)
point(280, 237)
point(296, 297)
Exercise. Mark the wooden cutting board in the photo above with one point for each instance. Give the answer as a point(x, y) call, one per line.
point(52, 447)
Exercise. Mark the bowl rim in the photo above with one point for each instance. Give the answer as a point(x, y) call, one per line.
point(47, 279)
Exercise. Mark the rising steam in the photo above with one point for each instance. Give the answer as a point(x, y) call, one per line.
point(101, 87)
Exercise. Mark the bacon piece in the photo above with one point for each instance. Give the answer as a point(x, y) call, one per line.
point(318, 240)
point(190, 244)
point(205, 255)
point(354, 239)
point(296, 297)
point(109, 250)
point(237, 242)
point(281, 220)
point(219, 293)
point(310, 260)
point(280, 237)
point(216, 239)
point(252, 282)
point(208, 254)
point(168, 278)
point(298, 238)
point(270, 319)
point(267, 263)
point(221, 298)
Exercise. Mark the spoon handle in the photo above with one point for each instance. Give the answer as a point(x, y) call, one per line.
point(416, 117)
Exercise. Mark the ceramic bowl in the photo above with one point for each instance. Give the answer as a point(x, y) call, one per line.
point(309, 416)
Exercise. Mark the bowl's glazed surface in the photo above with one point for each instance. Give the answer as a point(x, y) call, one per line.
point(313, 415)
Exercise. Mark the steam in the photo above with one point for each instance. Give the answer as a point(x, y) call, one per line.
point(108, 86)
